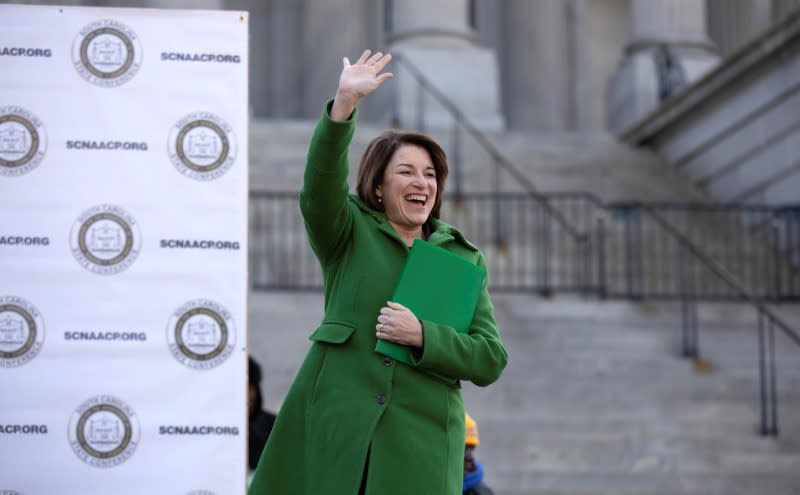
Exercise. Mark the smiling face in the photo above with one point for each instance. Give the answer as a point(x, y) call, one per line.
point(408, 190)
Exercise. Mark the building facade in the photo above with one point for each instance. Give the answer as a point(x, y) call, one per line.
point(554, 65)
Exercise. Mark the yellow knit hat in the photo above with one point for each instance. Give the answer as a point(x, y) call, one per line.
point(472, 431)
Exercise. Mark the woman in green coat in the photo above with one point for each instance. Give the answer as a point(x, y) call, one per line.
point(355, 421)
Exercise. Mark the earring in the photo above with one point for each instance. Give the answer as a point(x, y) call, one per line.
point(380, 200)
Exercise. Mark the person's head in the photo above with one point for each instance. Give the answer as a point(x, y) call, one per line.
point(471, 441)
point(403, 174)
point(254, 400)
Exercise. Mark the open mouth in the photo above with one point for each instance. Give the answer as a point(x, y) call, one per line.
point(417, 199)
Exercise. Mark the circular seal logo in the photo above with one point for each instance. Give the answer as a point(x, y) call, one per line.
point(107, 53)
point(104, 431)
point(21, 331)
point(23, 141)
point(201, 334)
point(105, 239)
point(202, 146)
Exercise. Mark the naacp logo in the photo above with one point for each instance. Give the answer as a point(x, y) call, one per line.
point(201, 334)
point(107, 53)
point(22, 141)
point(104, 431)
point(202, 146)
point(21, 331)
point(105, 239)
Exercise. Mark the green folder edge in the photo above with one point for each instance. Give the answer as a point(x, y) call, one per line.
point(459, 274)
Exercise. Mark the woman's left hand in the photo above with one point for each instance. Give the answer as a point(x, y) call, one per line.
point(396, 323)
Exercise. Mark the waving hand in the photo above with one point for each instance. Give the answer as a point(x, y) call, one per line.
point(358, 80)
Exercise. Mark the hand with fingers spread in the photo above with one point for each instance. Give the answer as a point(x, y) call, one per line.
point(396, 323)
point(358, 80)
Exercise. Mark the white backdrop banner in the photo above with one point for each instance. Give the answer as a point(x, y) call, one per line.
point(123, 251)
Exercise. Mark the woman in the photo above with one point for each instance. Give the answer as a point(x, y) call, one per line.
point(355, 421)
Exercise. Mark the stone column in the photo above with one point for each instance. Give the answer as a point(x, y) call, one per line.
point(732, 23)
point(537, 65)
point(276, 73)
point(669, 49)
point(332, 29)
point(437, 39)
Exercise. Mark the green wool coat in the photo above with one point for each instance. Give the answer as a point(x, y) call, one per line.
point(349, 406)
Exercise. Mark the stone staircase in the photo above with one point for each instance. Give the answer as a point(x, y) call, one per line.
point(593, 162)
point(596, 399)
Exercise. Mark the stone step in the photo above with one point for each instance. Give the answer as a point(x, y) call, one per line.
point(597, 400)
point(609, 459)
point(645, 482)
point(558, 162)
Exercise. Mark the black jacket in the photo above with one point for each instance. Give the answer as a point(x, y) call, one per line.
point(259, 429)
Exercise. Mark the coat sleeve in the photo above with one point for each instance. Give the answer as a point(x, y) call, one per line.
point(477, 356)
point(324, 195)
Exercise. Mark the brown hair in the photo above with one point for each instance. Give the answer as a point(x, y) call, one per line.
point(377, 155)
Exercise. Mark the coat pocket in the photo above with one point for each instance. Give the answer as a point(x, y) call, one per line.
point(333, 332)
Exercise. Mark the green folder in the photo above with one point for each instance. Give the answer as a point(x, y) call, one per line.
point(437, 286)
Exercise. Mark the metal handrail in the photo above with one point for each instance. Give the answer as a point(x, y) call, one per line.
point(766, 339)
point(532, 251)
point(731, 280)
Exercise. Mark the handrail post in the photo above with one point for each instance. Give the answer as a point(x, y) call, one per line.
point(544, 252)
point(456, 160)
point(499, 238)
point(690, 333)
point(773, 379)
point(420, 108)
point(601, 259)
point(793, 248)
point(585, 252)
point(631, 253)
point(767, 371)
point(776, 254)
point(689, 345)
point(638, 254)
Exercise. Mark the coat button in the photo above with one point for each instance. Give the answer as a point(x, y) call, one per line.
point(380, 399)
point(388, 361)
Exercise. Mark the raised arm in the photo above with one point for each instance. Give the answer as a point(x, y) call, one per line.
point(323, 198)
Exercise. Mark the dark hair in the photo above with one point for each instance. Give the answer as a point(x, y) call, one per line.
point(253, 371)
point(377, 155)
